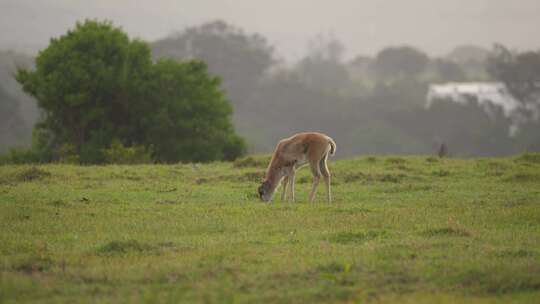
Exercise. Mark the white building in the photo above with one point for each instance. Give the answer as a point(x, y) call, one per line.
point(495, 93)
point(486, 94)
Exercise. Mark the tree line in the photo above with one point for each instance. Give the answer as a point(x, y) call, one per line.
point(166, 96)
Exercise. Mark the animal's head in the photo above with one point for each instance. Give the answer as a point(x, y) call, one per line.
point(265, 191)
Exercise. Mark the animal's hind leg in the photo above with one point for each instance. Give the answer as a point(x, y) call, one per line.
point(284, 184)
point(326, 177)
point(316, 178)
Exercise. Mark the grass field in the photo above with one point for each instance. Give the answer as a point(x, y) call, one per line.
point(401, 229)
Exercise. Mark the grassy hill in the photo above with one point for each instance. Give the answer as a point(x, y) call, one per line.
point(401, 229)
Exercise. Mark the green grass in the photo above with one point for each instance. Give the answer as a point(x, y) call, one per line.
point(401, 229)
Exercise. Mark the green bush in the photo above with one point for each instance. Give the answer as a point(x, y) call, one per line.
point(95, 84)
point(40, 152)
point(68, 154)
point(19, 156)
point(117, 153)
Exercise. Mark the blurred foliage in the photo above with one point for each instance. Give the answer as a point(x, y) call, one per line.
point(192, 122)
point(400, 62)
point(519, 71)
point(67, 154)
point(322, 68)
point(117, 153)
point(95, 84)
point(239, 58)
point(472, 61)
point(105, 86)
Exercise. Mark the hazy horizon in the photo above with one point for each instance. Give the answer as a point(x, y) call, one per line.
point(365, 27)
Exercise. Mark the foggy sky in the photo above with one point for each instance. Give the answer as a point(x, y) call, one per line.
point(365, 27)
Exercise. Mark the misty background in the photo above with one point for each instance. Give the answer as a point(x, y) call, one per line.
point(365, 27)
point(357, 70)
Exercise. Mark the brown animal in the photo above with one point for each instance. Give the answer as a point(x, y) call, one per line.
point(292, 153)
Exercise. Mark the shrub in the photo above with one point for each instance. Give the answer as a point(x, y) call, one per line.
point(68, 154)
point(19, 156)
point(117, 153)
point(95, 84)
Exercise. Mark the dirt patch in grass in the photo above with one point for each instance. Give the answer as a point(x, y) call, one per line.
point(354, 176)
point(126, 247)
point(446, 231)
point(407, 188)
point(352, 210)
point(59, 203)
point(396, 160)
point(33, 265)
point(518, 202)
point(25, 175)
point(253, 176)
point(520, 253)
point(126, 176)
point(356, 237)
point(384, 177)
point(440, 173)
point(390, 178)
point(404, 168)
point(32, 174)
point(168, 202)
point(486, 282)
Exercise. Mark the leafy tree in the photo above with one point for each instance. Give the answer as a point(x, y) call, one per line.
point(472, 61)
point(193, 109)
point(467, 129)
point(399, 62)
point(240, 59)
point(520, 72)
point(85, 81)
point(449, 71)
point(322, 68)
point(468, 55)
point(96, 85)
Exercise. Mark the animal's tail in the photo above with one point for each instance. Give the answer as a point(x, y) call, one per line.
point(332, 146)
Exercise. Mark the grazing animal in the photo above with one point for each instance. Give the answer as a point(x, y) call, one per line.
point(443, 151)
point(292, 153)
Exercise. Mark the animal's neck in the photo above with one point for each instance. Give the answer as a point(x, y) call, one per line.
point(273, 175)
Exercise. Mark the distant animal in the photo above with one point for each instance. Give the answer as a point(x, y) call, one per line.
point(292, 153)
point(443, 150)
